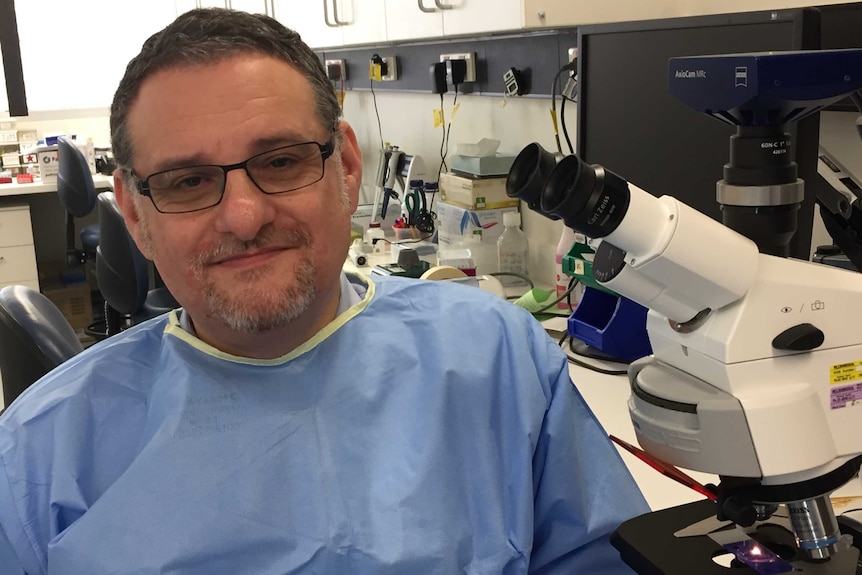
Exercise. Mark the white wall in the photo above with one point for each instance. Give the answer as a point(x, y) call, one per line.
point(82, 123)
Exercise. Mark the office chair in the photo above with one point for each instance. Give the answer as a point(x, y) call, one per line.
point(34, 338)
point(123, 273)
point(78, 197)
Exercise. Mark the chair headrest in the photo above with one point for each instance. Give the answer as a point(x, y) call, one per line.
point(75, 185)
point(121, 268)
point(37, 320)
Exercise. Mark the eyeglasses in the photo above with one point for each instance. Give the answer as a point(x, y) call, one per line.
point(194, 188)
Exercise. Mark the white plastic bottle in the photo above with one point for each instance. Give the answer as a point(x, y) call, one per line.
point(512, 250)
point(374, 237)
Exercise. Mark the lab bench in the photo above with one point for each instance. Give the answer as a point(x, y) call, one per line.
point(32, 229)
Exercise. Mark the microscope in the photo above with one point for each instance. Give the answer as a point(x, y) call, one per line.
point(756, 371)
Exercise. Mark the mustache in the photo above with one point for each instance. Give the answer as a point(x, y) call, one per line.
point(269, 235)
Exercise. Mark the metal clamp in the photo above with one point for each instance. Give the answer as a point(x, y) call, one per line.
point(442, 6)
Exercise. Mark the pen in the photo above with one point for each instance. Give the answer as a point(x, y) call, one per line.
point(666, 469)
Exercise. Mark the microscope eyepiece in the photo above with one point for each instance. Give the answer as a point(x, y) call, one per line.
point(589, 199)
point(528, 174)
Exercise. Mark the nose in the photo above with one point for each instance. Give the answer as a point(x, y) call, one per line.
point(243, 209)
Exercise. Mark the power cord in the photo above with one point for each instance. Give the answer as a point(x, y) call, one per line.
point(573, 282)
point(377, 113)
point(589, 366)
point(517, 275)
point(400, 242)
point(554, 88)
point(444, 144)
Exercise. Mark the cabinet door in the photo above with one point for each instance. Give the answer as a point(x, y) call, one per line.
point(307, 18)
point(405, 20)
point(79, 65)
point(212, 4)
point(477, 16)
point(252, 6)
point(367, 21)
point(577, 12)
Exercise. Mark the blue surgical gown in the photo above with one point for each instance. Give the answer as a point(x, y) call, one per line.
point(429, 429)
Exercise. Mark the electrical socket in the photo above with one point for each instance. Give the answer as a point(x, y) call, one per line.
point(391, 69)
point(469, 57)
point(336, 70)
point(573, 54)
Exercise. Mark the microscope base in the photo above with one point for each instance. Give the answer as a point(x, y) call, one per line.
point(648, 545)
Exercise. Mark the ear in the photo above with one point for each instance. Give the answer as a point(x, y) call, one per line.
point(351, 162)
point(126, 202)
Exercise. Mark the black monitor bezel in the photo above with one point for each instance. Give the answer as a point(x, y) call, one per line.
point(806, 35)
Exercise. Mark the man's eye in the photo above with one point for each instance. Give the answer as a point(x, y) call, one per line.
point(188, 182)
point(281, 162)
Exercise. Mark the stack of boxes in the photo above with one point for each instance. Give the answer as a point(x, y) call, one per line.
point(14, 147)
point(470, 215)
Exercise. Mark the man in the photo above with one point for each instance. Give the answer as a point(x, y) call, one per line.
point(290, 419)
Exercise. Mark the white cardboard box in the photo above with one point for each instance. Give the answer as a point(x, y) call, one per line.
point(49, 163)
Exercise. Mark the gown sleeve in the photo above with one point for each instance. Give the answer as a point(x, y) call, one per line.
point(583, 490)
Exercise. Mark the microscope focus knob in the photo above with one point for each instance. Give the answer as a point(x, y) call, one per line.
point(802, 337)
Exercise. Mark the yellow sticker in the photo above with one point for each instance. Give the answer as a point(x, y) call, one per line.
point(375, 72)
point(554, 121)
point(437, 120)
point(454, 111)
point(845, 372)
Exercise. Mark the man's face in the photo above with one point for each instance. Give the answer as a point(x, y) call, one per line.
point(255, 261)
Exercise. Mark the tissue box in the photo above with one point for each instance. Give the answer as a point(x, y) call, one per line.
point(475, 193)
point(486, 166)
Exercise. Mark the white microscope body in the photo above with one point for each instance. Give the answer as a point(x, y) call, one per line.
point(757, 363)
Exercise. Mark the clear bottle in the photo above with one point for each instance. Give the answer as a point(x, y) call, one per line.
point(512, 250)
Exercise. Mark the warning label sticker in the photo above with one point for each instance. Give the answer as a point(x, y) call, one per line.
point(845, 372)
point(847, 381)
point(845, 396)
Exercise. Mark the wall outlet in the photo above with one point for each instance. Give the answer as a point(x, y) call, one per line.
point(336, 70)
point(469, 57)
point(391, 69)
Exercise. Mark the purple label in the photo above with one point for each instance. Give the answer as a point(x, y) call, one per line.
point(846, 394)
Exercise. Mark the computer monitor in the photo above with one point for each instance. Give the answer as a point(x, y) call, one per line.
point(630, 123)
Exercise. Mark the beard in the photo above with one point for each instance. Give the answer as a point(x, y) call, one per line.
point(257, 302)
point(254, 301)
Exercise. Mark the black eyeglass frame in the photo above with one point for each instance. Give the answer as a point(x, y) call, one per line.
point(326, 150)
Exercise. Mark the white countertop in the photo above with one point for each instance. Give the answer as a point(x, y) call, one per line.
point(102, 183)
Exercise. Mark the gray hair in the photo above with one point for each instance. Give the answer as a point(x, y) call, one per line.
point(207, 35)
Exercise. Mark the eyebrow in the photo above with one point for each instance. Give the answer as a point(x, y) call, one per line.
point(258, 146)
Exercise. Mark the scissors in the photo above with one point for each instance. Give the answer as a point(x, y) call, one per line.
point(414, 203)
